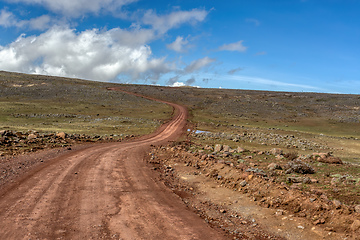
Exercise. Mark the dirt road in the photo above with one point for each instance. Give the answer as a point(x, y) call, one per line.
point(103, 191)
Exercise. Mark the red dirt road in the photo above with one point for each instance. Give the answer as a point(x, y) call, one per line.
point(104, 191)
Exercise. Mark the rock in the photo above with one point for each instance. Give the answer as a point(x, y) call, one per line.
point(207, 147)
point(218, 148)
point(250, 177)
point(298, 166)
point(337, 203)
point(2, 132)
point(276, 151)
point(355, 225)
point(331, 160)
point(274, 166)
point(319, 221)
point(324, 197)
point(313, 180)
point(20, 135)
point(31, 136)
point(240, 150)
point(279, 212)
point(61, 135)
point(357, 208)
point(243, 183)
point(256, 171)
point(307, 180)
point(294, 179)
point(226, 148)
point(321, 155)
point(334, 181)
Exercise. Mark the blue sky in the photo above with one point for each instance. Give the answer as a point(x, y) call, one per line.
point(282, 45)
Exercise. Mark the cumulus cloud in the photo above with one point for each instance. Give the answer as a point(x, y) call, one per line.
point(163, 23)
point(90, 54)
point(76, 8)
point(232, 71)
point(237, 46)
point(178, 45)
point(198, 64)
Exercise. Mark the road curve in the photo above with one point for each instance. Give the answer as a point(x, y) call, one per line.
point(105, 191)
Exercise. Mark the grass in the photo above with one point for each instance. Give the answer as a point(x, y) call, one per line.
point(50, 104)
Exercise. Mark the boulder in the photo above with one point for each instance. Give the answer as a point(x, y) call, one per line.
point(218, 148)
point(298, 166)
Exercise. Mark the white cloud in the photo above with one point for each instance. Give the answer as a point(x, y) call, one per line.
point(174, 19)
point(133, 37)
point(90, 54)
point(39, 23)
point(178, 45)
point(76, 8)
point(237, 46)
point(8, 19)
point(198, 64)
point(177, 84)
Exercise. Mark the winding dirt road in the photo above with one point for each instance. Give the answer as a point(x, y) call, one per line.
point(104, 191)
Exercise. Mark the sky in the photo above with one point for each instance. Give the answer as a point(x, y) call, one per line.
point(276, 45)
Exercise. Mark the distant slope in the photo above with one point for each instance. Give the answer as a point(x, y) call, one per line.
point(51, 104)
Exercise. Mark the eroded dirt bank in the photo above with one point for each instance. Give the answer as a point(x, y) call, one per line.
point(246, 202)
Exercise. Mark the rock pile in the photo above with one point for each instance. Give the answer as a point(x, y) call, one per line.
point(12, 143)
